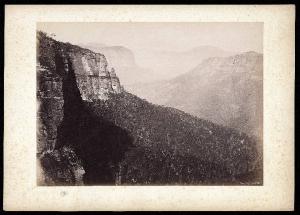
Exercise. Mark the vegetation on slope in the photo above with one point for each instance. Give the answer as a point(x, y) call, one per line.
point(172, 147)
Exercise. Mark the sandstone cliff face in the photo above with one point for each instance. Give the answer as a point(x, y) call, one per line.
point(92, 80)
point(92, 75)
point(50, 107)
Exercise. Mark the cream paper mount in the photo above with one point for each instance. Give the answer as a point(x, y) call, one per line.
point(20, 188)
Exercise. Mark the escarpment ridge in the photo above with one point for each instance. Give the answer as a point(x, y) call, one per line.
point(72, 145)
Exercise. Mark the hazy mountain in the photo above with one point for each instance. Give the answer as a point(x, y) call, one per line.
point(224, 90)
point(116, 55)
point(169, 64)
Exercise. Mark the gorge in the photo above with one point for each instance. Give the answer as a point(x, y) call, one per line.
point(91, 131)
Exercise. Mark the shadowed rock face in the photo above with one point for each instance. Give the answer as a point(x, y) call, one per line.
point(50, 107)
point(99, 144)
point(75, 147)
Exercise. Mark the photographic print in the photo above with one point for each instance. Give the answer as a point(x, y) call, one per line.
point(141, 103)
point(149, 108)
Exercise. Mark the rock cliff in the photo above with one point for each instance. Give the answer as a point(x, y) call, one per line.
point(58, 104)
point(92, 75)
point(93, 78)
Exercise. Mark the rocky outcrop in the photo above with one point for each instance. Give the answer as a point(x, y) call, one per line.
point(93, 80)
point(115, 81)
point(50, 107)
point(92, 75)
point(50, 115)
point(67, 75)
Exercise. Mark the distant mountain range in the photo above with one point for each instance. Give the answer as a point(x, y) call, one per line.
point(224, 90)
point(169, 64)
point(153, 65)
point(115, 55)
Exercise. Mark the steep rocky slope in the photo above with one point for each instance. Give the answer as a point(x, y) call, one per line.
point(226, 91)
point(74, 147)
point(91, 131)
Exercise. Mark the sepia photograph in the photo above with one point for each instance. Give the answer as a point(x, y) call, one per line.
point(149, 103)
point(149, 108)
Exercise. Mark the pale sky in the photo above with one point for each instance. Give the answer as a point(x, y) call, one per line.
point(150, 41)
point(237, 37)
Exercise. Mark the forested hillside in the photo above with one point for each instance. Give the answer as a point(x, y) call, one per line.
point(172, 147)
